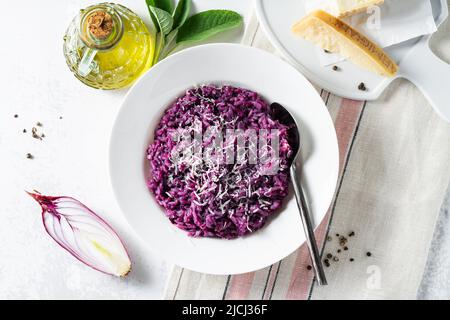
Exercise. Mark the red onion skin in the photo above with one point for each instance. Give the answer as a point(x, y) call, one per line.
point(48, 207)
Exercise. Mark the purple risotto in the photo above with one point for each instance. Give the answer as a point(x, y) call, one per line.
point(219, 162)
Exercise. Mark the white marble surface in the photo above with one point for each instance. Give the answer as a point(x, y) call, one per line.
point(72, 160)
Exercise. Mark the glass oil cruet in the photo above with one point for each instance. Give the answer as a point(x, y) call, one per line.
point(107, 46)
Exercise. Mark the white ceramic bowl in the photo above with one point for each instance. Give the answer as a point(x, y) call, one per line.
point(220, 64)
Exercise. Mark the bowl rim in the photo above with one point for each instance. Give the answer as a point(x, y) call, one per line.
point(154, 69)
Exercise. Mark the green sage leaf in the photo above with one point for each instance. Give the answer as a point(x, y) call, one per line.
point(159, 45)
point(170, 44)
point(181, 13)
point(151, 3)
point(203, 25)
point(165, 20)
point(165, 5)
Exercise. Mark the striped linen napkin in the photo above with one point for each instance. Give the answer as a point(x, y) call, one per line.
point(394, 171)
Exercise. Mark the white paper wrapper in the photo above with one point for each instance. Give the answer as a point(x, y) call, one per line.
point(399, 20)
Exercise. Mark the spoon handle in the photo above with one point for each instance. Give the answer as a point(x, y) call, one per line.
point(308, 227)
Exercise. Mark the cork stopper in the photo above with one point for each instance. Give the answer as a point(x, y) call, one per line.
point(100, 24)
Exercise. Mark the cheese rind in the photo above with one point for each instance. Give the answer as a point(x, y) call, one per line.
point(334, 35)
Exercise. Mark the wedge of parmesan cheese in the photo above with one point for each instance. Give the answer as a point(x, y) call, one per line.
point(334, 35)
point(342, 8)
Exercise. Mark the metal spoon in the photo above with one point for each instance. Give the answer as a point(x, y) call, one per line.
point(286, 118)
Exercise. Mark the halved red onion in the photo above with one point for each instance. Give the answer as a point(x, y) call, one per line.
point(84, 234)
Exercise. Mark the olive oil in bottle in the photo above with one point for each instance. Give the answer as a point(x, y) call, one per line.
point(107, 46)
